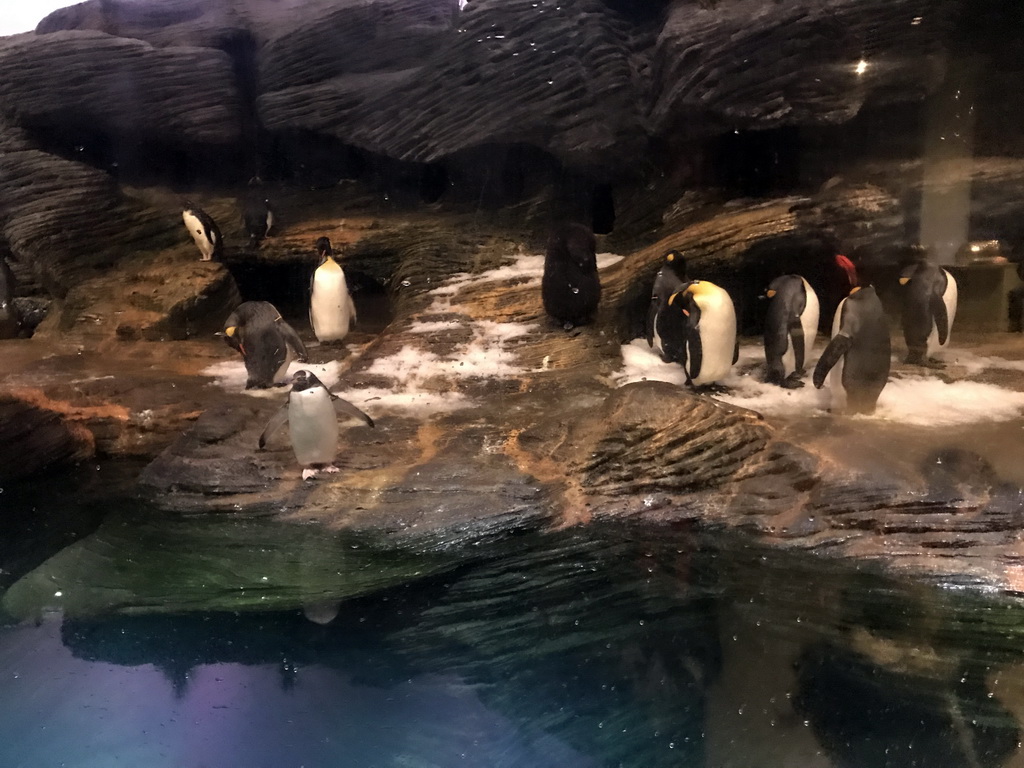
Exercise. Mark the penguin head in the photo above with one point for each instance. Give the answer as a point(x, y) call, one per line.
point(323, 248)
point(676, 262)
point(304, 379)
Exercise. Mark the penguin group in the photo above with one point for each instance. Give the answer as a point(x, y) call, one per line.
point(692, 323)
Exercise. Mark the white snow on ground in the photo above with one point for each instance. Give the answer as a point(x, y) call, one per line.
point(231, 376)
point(921, 400)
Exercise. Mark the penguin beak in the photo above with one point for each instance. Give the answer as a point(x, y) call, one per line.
point(770, 293)
point(904, 280)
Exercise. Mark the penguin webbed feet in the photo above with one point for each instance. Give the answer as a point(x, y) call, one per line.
point(793, 381)
point(309, 473)
point(713, 388)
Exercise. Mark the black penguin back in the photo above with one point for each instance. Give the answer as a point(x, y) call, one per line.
point(787, 301)
point(571, 288)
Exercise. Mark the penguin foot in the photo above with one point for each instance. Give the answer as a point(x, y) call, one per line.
point(714, 388)
point(330, 469)
point(309, 472)
point(791, 382)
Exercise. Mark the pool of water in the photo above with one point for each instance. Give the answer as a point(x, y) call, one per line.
point(215, 642)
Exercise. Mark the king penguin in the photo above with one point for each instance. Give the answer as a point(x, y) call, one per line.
point(858, 356)
point(257, 214)
point(929, 306)
point(204, 232)
point(669, 280)
point(312, 414)
point(570, 288)
point(331, 310)
point(267, 343)
point(789, 330)
point(698, 331)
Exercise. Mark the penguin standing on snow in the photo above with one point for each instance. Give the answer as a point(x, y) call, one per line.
point(257, 215)
point(571, 288)
point(670, 279)
point(204, 232)
point(267, 343)
point(332, 312)
point(929, 306)
point(789, 330)
point(698, 331)
point(858, 354)
point(312, 414)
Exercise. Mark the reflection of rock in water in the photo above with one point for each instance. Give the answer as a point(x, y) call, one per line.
point(865, 715)
point(956, 476)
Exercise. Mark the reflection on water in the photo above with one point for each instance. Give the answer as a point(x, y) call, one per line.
point(608, 646)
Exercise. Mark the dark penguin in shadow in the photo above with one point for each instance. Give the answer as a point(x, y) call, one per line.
point(929, 306)
point(267, 344)
point(10, 318)
point(204, 231)
point(790, 329)
point(671, 278)
point(698, 331)
point(571, 288)
point(257, 213)
point(858, 356)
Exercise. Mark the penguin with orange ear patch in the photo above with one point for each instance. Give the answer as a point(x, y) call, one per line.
point(698, 331)
point(857, 359)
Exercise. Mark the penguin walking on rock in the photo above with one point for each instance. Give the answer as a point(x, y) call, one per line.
point(929, 306)
point(267, 343)
point(312, 415)
point(857, 359)
point(332, 313)
point(698, 331)
point(204, 231)
point(257, 214)
point(670, 279)
point(571, 288)
point(790, 329)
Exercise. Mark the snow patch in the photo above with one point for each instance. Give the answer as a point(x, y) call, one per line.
point(231, 375)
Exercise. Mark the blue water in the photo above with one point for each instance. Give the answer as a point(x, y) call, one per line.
point(611, 645)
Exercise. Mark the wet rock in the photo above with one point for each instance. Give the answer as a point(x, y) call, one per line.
point(37, 433)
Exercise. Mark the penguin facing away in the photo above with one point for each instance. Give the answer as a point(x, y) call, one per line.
point(857, 359)
point(929, 307)
point(790, 329)
point(267, 344)
point(698, 331)
point(332, 312)
point(570, 288)
point(257, 214)
point(670, 279)
point(311, 412)
point(204, 231)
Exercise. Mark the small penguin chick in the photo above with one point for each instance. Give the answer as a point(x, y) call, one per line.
point(311, 413)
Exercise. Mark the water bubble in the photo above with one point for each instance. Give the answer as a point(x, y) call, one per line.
point(575, 290)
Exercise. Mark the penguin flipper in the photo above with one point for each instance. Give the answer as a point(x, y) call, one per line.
point(696, 355)
point(736, 351)
point(836, 348)
point(796, 337)
point(344, 408)
point(293, 341)
point(277, 421)
point(940, 317)
point(652, 318)
point(352, 312)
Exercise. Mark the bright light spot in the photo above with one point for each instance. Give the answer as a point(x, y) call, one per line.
point(58, 593)
point(862, 67)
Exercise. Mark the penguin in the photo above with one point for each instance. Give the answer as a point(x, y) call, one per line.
point(266, 342)
point(670, 279)
point(838, 281)
point(929, 306)
point(790, 329)
point(698, 331)
point(312, 414)
point(257, 214)
point(204, 232)
point(571, 288)
point(858, 355)
point(332, 312)
point(10, 318)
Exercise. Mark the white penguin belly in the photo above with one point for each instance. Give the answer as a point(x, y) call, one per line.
point(196, 229)
point(809, 321)
point(331, 308)
point(313, 426)
point(717, 329)
point(949, 298)
point(835, 376)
